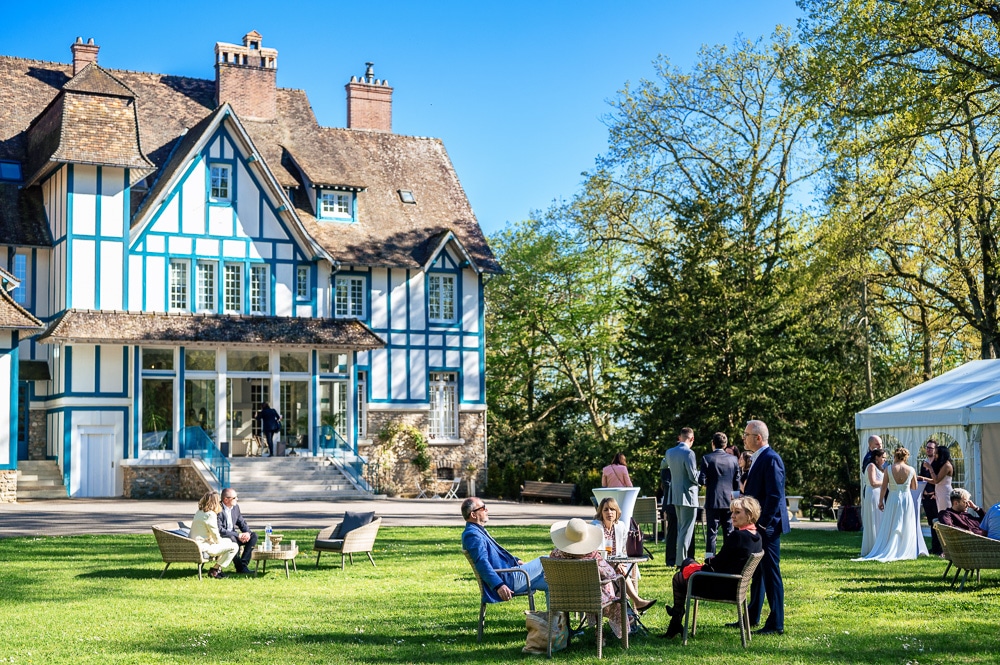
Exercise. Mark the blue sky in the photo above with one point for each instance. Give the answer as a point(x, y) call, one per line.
point(517, 90)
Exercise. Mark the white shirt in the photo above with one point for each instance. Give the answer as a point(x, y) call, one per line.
point(228, 512)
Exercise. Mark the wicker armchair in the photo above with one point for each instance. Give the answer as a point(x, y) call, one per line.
point(361, 539)
point(646, 512)
point(575, 586)
point(739, 598)
point(175, 548)
point(968, 552)
point(483, 602)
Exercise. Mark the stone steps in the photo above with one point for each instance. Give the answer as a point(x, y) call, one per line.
point(291, 479)
point(39, 479)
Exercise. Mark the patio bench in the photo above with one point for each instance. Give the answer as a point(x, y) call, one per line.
point(536, 489)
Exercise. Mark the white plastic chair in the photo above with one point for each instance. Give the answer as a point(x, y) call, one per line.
point(452, 492)
point(421, 492)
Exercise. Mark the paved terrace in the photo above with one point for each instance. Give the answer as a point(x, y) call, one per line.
point(71, 517)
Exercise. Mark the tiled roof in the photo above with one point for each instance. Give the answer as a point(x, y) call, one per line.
point(89, 326)
point(387, 233)
point(22, 217)
point(13, 316)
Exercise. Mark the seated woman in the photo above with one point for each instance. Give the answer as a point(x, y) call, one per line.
point(615, 535)
point(205, 529)
point(576, 539)
point(735, 552)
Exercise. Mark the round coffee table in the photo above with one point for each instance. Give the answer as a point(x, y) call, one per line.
point(284, 553)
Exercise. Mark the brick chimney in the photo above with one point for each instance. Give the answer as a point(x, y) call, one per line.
point(247, 77)
point(83, 54)
point(369, 102)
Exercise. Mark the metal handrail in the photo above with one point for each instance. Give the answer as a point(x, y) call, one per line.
point(331, 444)
point(196, 443)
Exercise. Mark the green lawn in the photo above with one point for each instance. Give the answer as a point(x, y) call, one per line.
point(98, 599)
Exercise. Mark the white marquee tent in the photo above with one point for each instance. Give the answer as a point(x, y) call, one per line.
point(960, 409)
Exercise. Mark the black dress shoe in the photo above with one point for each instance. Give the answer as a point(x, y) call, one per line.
point(769, 631)
point(217, 574)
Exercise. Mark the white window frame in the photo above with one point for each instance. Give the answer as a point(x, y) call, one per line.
point(302, 280)
point(349, 297)
point(220, 182)
point(178, 285)
point(443, 415)
point(232, 288)
point(20, 272)
point(260, 286)
point(441, 298)
point(334, 204)
point(206, 278)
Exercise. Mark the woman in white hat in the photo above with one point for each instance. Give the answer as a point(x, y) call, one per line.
point(576, 539)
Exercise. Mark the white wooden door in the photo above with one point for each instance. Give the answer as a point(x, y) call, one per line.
point(97, 463)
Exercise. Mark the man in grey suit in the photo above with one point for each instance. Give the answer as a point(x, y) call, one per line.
point(720, 474)
point(683, 490)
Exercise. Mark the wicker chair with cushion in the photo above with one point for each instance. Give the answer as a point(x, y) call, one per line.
point(483, 600)
point(176, 547)
point(356, 533)
point(575, 586)
point(968, 552)
point(739, 598)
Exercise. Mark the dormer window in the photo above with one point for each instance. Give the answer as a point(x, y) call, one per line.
point(335, 205)
point(10, 171)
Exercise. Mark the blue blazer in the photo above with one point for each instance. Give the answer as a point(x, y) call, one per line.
point(720, 474)
point(487, 557)
point(766, 483)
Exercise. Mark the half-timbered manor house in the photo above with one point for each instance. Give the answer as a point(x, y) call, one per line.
point(175, 251)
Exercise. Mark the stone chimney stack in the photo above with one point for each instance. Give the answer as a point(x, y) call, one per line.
point(369, 102)
point(83, 54)
point(247, 77)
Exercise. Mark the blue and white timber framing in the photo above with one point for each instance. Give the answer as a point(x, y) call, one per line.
point(213, 233)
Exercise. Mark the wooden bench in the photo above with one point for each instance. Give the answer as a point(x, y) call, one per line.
point(536, 489)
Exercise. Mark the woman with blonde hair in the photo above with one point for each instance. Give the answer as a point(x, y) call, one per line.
point(615, 536)
point(897, 535)
point(205, 530)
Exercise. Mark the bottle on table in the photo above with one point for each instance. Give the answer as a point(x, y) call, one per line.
point(267, 538)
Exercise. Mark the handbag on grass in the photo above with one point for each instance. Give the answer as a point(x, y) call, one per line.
point(538, 632)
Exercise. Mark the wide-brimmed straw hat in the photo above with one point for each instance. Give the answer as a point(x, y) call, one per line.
point(576, 536)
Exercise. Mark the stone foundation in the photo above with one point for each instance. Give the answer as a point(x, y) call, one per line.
point(458, 457)
point(8, 486)
point(37, 434)
point(163, 481)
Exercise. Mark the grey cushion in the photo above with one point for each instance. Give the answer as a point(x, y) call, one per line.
point(335, 545)
point(353, 520)
point(184, 533)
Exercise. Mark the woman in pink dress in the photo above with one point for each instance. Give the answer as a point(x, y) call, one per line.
point(616, 473)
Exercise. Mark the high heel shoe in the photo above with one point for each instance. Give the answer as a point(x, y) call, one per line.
point(641, 609)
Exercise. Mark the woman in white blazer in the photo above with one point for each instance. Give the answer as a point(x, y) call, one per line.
point(205, 530)
point(615, 535)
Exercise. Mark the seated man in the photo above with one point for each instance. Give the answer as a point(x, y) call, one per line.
point(487, 556)
point(957, 516)
point(234, 527)
point(991, 523)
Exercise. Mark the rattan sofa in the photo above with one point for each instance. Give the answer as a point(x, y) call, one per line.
point(175, 548)
point(968, 552)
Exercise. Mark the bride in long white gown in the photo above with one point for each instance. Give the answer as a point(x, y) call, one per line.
point(897, 534)
point(871, 516)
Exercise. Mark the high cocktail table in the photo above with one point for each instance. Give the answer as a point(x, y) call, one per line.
point(284, 553)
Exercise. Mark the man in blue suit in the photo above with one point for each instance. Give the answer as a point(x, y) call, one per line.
point(720, 474)
point(488, 557)
point(766, 483)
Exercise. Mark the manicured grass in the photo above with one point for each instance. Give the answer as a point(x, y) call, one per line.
point(98, 599)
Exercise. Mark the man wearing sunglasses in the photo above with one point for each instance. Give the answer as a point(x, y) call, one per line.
point(488, 557)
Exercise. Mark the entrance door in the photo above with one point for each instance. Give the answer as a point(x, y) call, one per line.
point(22, 420)
point(97, 462)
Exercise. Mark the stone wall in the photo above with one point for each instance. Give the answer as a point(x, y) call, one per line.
point(8, 486)
point(37, 430)
point(163, 481)
point(459, 457)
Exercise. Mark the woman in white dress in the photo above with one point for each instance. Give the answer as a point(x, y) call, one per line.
point(871, 516)
point(897, 534)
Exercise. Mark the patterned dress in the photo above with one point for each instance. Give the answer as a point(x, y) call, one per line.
point(607, 573)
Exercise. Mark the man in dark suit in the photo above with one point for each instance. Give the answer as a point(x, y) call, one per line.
point(683, 491)
point(488, 557)
point(720, 474)
point(766, 483)
point(234, 527)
